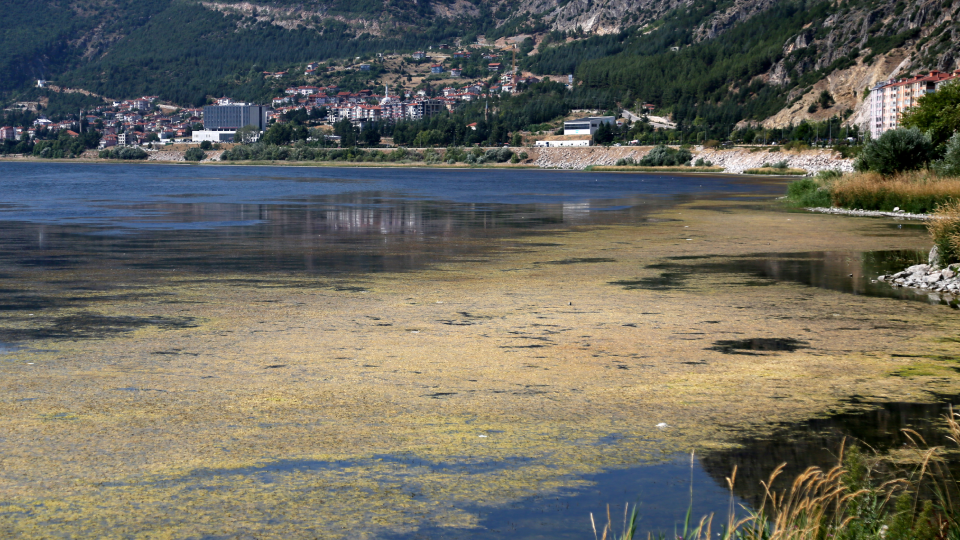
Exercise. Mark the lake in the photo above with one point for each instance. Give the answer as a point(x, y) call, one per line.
point(219, 351)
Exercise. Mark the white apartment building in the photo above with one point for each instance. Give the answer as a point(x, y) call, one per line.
point(889, 99)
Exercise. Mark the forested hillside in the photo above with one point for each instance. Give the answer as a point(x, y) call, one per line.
point(717, 62)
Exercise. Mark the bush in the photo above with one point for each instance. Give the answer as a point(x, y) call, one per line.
point(664, 156)
point(205, 145)
point(796, 145)
point(945, 230)
point(808, 193)
point(896, 150)
point(498, 155)
point(194, 154)
point(123, 153)
point(782, 165)
point(703, 163)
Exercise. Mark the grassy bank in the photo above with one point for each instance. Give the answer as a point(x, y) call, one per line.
point(776, 171)
point(637, 168)
point(918, 192)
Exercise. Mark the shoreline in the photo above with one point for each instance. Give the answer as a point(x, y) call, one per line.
point(868, 213)
point(690, 171)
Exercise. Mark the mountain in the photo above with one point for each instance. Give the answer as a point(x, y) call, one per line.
point(721, 63)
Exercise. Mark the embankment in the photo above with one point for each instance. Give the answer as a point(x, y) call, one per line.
point(735, 160)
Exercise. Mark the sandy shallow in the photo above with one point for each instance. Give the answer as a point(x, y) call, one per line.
point(302, 406)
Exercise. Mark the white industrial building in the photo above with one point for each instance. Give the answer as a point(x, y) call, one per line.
point(587, 126)
point(213, 136)
point(554, 144)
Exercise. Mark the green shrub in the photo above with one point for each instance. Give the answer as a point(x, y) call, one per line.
point(894, 151)
point(123, 153)
point(194, 154)
point(206, 145)
point(782, 165)
point(808, 193)
point(664, 156)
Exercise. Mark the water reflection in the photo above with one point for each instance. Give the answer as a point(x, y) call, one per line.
point(846, 271)
point(266, 219)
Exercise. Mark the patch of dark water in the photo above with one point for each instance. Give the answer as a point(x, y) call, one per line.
point(87, 325)
point(758, 346)
point(9, 348)
point(849, 272)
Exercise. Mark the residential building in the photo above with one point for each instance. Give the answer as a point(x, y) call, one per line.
point(436, 69)
point(422, 108)
point(890, 99)
point(364, 67)
point(455, 72)
point(8, 133)
point(419, 55)
point(495, 67)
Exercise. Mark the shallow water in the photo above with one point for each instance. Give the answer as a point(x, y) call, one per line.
point(75, 239)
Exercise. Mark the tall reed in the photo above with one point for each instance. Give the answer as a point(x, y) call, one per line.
point(945, 230)
point(915, 191)
point(863, 497)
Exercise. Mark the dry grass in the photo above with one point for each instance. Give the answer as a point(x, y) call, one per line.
point(945, 230)
point(774, 171)
point(638, 168)
point(916, 191)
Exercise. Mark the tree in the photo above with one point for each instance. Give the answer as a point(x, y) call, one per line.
point(370, 135)
point(247, 134)
point(950, 164)
point(604, 134)
point(896, 150)
point(825, 100)
point(205, 145)
point(517, 139)
point(347, 133)
point(937, 114)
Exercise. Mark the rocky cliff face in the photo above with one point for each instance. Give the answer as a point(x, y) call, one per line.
point(864, 43)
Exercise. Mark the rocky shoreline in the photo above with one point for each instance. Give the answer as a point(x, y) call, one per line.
point(733, 160)
point(927, 277)
point(869, 213)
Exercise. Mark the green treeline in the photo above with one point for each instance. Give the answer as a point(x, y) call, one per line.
point(713, 79)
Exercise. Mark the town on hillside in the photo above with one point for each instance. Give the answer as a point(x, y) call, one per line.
point(442, 87)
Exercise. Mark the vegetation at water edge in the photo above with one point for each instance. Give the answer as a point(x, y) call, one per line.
point(914, 496)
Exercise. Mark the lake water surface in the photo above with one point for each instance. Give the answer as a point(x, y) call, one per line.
point(97, 226)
